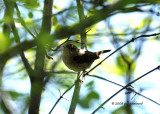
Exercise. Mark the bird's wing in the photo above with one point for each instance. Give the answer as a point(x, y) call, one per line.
point(86, 57)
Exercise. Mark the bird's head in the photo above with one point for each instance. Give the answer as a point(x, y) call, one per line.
point(70, 48)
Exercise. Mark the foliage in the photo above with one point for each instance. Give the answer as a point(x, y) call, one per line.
point(31, 34)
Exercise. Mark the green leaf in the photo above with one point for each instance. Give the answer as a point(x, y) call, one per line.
point(5, 42)
point(58, 8)
point(92, 96)
point(15, 95)
point(55, 21)
point(87, 101)
point(123, 110)
point(90, 84)
point(31, 4)
point(30, 15)
point(121, 65)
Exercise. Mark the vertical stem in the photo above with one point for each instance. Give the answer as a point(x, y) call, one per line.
point(128, 79)
point(81, 18)
point(75, 97)
point(38, 75)
point(76, 93)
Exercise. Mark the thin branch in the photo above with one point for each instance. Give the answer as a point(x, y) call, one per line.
point(69, 31)
point(81, 18)
point(17, 39)
point(61, 44)
point(14, 50)
point(47, 72)
point(95, 76)
point(87, 22)
point(5, 98)
point(132, 40)
point(61, 96)
point(23, 22)
point(70, 8)
point(76, 92)
point(124, 56)
point(129, 89)
point(125, 88)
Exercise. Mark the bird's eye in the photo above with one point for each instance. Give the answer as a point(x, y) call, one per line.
point(71, 47)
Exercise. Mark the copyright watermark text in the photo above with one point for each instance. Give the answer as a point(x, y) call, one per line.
point(127, 103)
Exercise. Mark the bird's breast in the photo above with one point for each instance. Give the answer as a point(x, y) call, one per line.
point(74, 62)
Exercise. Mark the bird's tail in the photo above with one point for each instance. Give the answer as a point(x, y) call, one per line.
point(101, 52)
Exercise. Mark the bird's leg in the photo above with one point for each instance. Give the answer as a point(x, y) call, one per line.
point(81, 75)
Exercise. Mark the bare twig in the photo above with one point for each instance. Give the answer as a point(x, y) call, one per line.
point(61, 44)
point(132, 40)
point(129, 89)
point(61, 96)
point(67, 40)
point(58, 72)
point(63, 11)
point(125, 88)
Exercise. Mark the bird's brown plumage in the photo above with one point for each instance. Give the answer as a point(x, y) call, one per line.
point(77, 61)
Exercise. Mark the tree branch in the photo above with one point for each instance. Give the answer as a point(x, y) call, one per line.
point(129, 89)
point(14, 50)
point(23, 22)
point(129, 84)
point(76, 29)
point(42, 40)
point(75, 96)
point(76, 92)
point(132, 40)
point(98, 16)
point(61, 96)
point(17, 39)
point(81, 18)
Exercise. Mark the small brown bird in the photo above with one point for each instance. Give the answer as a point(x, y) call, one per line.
point(77, 59)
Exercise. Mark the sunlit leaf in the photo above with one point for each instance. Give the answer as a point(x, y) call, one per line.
point(145, 23)
point(29, 22)
point(4, 43)
point(58, 8)
point(55, 21)
point(91, 33)
point(31, 4)
point(121, 65)
point(28, 3)
point(111, 68)
point(123, 110)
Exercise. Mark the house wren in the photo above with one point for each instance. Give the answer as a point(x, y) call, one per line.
point(77, 59)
